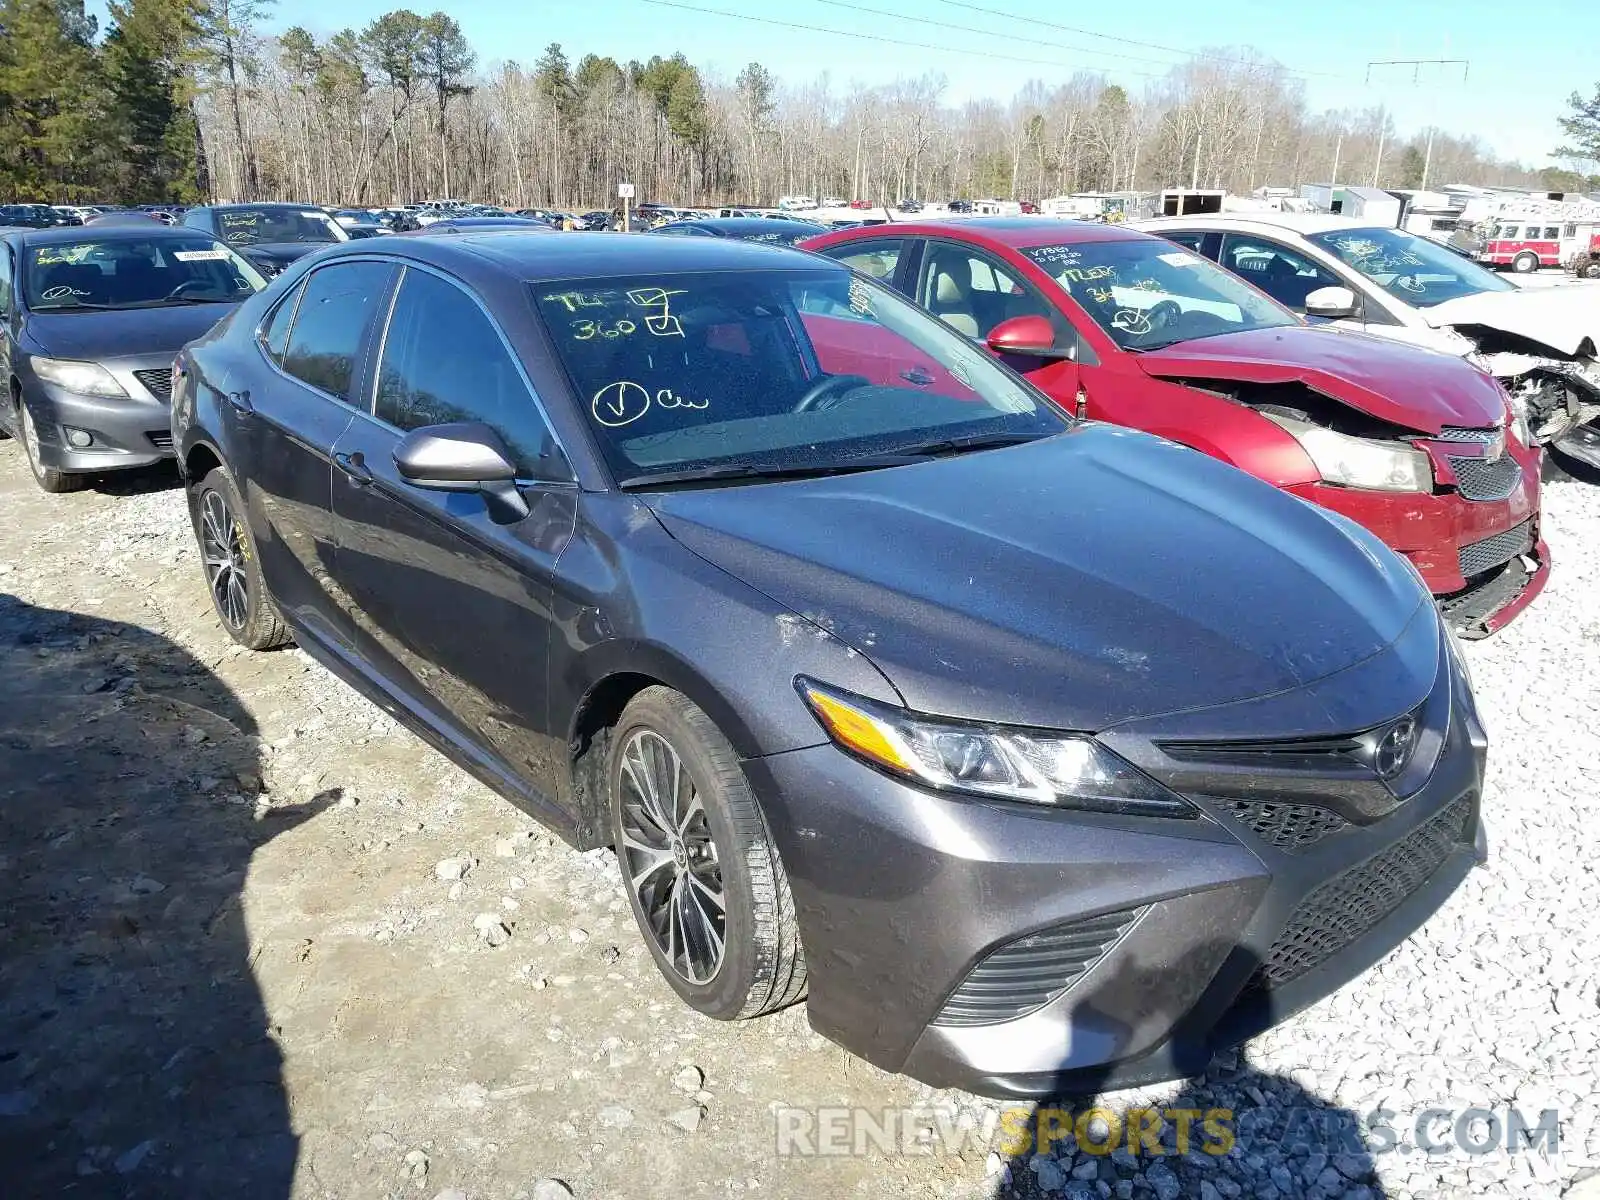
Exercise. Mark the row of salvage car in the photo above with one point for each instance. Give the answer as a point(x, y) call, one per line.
point(1037, 753)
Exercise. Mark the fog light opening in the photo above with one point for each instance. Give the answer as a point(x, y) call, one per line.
point(79, 438)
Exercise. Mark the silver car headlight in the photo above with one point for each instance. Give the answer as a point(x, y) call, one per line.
point(1359, 462)
point(1059, 770)
point(84, 378)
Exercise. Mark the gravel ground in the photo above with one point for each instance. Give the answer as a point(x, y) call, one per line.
point(256, 940)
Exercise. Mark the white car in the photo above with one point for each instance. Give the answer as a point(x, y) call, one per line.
point(1541, 343)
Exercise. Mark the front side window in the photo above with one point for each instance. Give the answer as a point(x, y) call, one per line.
point(1410, 268)
point(1146, 293)
point(477, 380)
point(336, 306)
point(135, 273)
point(773, 370)
point(5, 280)
point(971, 292)
point(262, 226)
point(1278, 271)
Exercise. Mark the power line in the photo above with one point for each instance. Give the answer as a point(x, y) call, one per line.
point(872, 37)
point(1190, 54)
point(880, 12)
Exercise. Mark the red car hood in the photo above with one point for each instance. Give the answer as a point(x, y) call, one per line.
point(1421, 390)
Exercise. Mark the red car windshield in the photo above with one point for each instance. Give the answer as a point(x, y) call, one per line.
point(1146, 293)
point(774, 371)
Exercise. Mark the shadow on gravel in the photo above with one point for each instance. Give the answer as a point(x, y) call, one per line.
point(1248, 1133)
point(161, 478)
point(135, 1055)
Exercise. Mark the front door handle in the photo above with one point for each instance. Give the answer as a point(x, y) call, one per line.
point(354, 468)
point(241, 403)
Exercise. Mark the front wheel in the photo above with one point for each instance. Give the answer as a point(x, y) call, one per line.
point(232, 568)
point(1525, 263)
point(48, 478)
point(702, 874)
point(1590, 269)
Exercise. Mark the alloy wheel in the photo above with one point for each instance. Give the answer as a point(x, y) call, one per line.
point(226, 560)
point(30, 436)
point(670, 858)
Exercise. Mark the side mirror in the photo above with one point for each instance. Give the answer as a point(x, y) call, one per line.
point(1331, 303)
point(465, 456)
point(1031, 335)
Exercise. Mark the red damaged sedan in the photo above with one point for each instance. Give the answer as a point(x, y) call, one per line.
point(1420, 447)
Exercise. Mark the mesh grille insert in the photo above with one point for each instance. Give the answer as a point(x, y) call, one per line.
point(1481, 479)
point(157, 382)
point(1291, 827)
point(1345, 908)
point(1027, 974)
point(1492, 551)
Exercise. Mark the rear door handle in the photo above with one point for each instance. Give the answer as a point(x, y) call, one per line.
point(354, 467)
point(241, 403)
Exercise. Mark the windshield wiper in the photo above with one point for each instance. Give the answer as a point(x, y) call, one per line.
point(713, 474)
point(975, 441)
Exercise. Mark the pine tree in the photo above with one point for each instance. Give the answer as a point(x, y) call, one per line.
point(49, 100)
point(149, 56)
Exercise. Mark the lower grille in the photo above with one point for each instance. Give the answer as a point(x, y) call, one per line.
point(1345, 908)
point(1027, 974)
point(161, 441)
point(1485, 479)
point(1291, 827)
point(157, 382)
point(1469, 610)
point(1492, 551)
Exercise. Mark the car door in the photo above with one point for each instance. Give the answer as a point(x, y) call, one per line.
point(285, 418)
point(973, 290)
point(452, 606)
point(8, 322)
point(1284, 274)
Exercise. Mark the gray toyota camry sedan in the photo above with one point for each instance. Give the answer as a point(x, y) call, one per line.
point(1037, 756)
point(90, 320)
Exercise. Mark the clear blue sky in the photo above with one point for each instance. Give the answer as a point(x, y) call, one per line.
point(1526, 57)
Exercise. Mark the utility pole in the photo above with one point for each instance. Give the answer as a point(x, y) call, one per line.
point(1440, 66)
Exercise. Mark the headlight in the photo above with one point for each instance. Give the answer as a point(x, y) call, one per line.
point(1517, 421)
point(1358, 462)
point(85, 378)
point(1055, 769)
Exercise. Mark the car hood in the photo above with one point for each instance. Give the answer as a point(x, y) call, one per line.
point(127, 333)
point(1566, 318)
point(1071, 583)
point(1418, 389)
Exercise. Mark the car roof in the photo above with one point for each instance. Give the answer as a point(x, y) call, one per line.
point(737, 225)
point(1302, 223)
point(535, 257)
point(285, 205)
point(1017, 232)
point(145, 229)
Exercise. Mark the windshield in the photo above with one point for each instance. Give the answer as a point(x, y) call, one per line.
point(1410, 268)
point(1146, 293)
point(135, 273)
point(774, 371)
point(254, 226)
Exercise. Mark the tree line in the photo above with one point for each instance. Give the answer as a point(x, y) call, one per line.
point(185, 100)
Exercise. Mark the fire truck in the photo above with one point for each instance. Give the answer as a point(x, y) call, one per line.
point(1528, 234)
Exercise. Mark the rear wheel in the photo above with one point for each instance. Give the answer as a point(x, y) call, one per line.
point(232, 568)
point(48, 478)
point(1589, 269)
point(702, 874)
point(1525, 263)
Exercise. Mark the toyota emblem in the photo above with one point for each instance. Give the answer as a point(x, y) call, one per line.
point(1394, 748)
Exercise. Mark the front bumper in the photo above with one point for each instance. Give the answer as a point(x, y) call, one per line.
point(911, 906)
point(1448, 538)
point(125, 431)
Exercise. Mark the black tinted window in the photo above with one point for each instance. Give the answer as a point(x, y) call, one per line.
point(275, 334)
point(335, 306)
point(444, 361)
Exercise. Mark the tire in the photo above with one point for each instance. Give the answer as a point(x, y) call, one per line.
point(1525, 263)
point(724, 842)
point(232, 567)
point(1590, 269)
point(48, 478)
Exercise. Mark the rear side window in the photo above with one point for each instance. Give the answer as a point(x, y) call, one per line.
point(475, 380)
point(275, 334)
point(336, 305)
point(876, 258)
